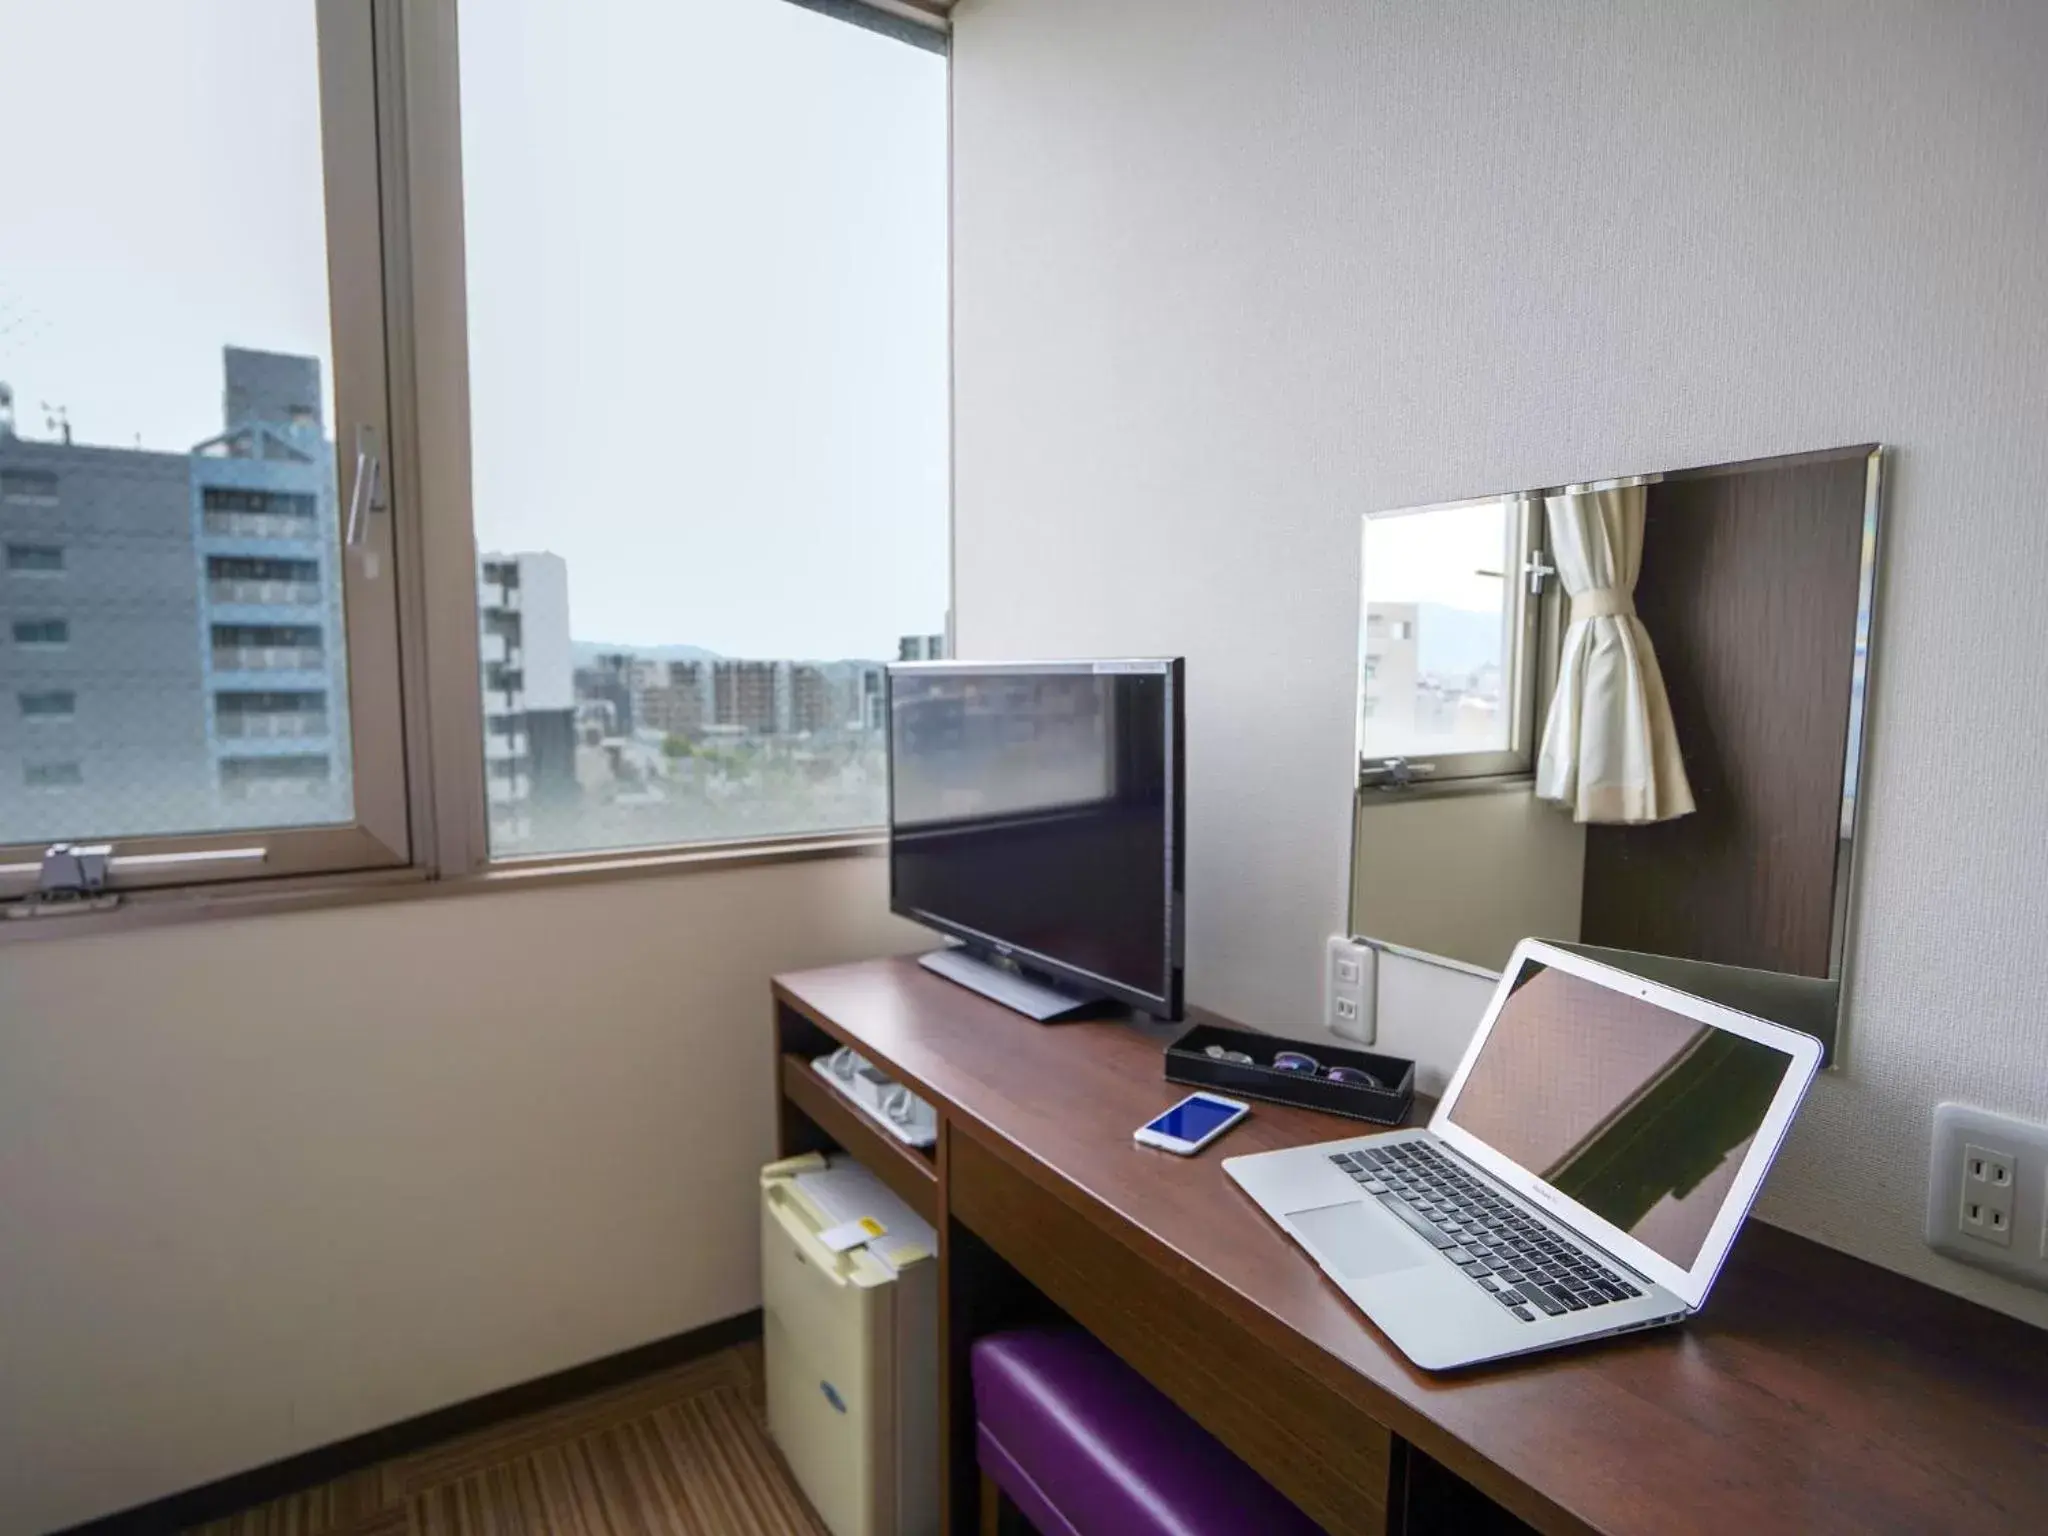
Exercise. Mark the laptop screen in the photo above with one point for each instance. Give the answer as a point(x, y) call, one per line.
point(1640, 1114)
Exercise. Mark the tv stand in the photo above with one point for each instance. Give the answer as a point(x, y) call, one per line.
point(1034, 999)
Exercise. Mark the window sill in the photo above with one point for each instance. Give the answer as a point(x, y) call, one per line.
point(1444, 789)
point(167, 907)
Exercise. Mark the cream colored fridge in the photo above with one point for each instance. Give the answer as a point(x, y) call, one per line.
point(850, 1341)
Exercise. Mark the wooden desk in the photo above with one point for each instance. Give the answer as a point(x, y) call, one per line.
point(1816, 1392)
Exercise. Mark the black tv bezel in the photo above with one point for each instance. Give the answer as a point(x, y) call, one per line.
point(1164, 1004)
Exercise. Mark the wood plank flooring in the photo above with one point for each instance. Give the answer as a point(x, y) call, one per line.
point(682, 1453)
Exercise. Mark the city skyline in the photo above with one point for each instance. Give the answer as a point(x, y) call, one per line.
point(146, 701)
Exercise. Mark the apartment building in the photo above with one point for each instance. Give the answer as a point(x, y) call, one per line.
point(678, 702)
point(264, 528)
point(744, 694)
point(528, 684)
point(813, 702)
point(172, 641)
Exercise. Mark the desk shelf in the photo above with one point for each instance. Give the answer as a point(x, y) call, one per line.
point(908, 1170)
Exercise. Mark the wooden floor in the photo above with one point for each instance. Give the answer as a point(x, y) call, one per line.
point(683, 1453)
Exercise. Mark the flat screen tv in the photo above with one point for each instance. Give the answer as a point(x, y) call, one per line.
point(1035, 814)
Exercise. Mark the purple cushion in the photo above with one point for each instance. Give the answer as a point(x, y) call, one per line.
point(1085, 1446)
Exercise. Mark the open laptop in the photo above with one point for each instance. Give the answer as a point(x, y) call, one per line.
point(1584, 1174)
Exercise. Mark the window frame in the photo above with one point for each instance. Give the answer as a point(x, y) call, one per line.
point(1535, 625)
point(355, 132)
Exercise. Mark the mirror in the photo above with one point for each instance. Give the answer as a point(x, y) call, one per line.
point(1625, 714)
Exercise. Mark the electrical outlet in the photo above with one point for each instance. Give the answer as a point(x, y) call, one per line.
point(1350, 980)
point(1987, 1192)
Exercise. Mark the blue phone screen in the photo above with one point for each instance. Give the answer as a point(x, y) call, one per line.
point(1192, 1119)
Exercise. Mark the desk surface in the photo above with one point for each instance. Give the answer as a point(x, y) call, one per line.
point(1814, 1393)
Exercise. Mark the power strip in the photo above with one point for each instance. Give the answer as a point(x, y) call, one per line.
point(889, 1104)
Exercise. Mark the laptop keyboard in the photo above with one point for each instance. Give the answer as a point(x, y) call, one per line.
point(1521, 1263)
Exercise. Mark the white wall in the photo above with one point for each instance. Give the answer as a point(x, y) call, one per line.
point(1229, 273)
point(271, 1183)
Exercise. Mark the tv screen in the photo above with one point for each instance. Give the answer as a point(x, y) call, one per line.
point(1035, 813)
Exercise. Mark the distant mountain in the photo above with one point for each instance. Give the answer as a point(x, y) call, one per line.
point(1455, 642)
point(583, 652)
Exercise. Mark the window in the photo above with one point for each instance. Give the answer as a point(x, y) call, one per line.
point(236, 581)
point(35, 559)
point(231, 511)
point(42, 632)
point(732, 510)
point(269, 648)
point(199, 371)
point(699, 500)
point(48, 704)
point(270, 714)
point(276, 778)
point(28, 487)
point(1449, 643)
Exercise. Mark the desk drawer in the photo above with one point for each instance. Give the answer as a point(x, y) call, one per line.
point(1310, 1444)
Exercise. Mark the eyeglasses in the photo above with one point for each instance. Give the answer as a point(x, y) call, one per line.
point(1300, 1063)
point(1308, 1066)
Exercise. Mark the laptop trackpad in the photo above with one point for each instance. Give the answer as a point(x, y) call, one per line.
point(1355, 1245)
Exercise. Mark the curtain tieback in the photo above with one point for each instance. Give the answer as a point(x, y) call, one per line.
point(1603, 603)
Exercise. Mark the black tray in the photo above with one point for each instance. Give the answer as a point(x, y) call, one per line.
point(1185, 1063)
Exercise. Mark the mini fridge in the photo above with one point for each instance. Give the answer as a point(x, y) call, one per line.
point(850, 1345)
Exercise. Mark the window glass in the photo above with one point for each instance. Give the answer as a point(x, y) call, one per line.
point(166, 421)
point(49, 704)
point(41, 632)
point(35, 559)
point(709, 411)
point(1437, 673)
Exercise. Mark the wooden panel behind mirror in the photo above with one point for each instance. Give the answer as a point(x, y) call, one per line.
point(1749, 590)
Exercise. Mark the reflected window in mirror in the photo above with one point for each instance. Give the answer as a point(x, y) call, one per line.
point(1451, 656)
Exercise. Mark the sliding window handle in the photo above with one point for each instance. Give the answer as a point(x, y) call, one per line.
point(367, 497)
point(1390, 772)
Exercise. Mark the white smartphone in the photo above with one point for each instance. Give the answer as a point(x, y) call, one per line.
point(1192, 1124)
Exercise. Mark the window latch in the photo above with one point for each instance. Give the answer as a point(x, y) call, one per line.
point(1391, 772)
point(1538, 570)
point(367, 497)
point(71, 878)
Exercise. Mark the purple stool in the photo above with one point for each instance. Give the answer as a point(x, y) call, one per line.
point(1083, 1445)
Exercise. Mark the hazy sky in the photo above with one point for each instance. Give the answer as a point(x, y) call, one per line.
point(1436, 557)
point(143, 223)
point(707, 284)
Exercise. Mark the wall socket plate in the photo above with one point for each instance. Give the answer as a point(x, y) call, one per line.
point(1987, 1192)
point(1350, 989)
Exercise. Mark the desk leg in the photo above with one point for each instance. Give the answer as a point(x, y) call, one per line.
point(1430, 1500)
point(979, 1293)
